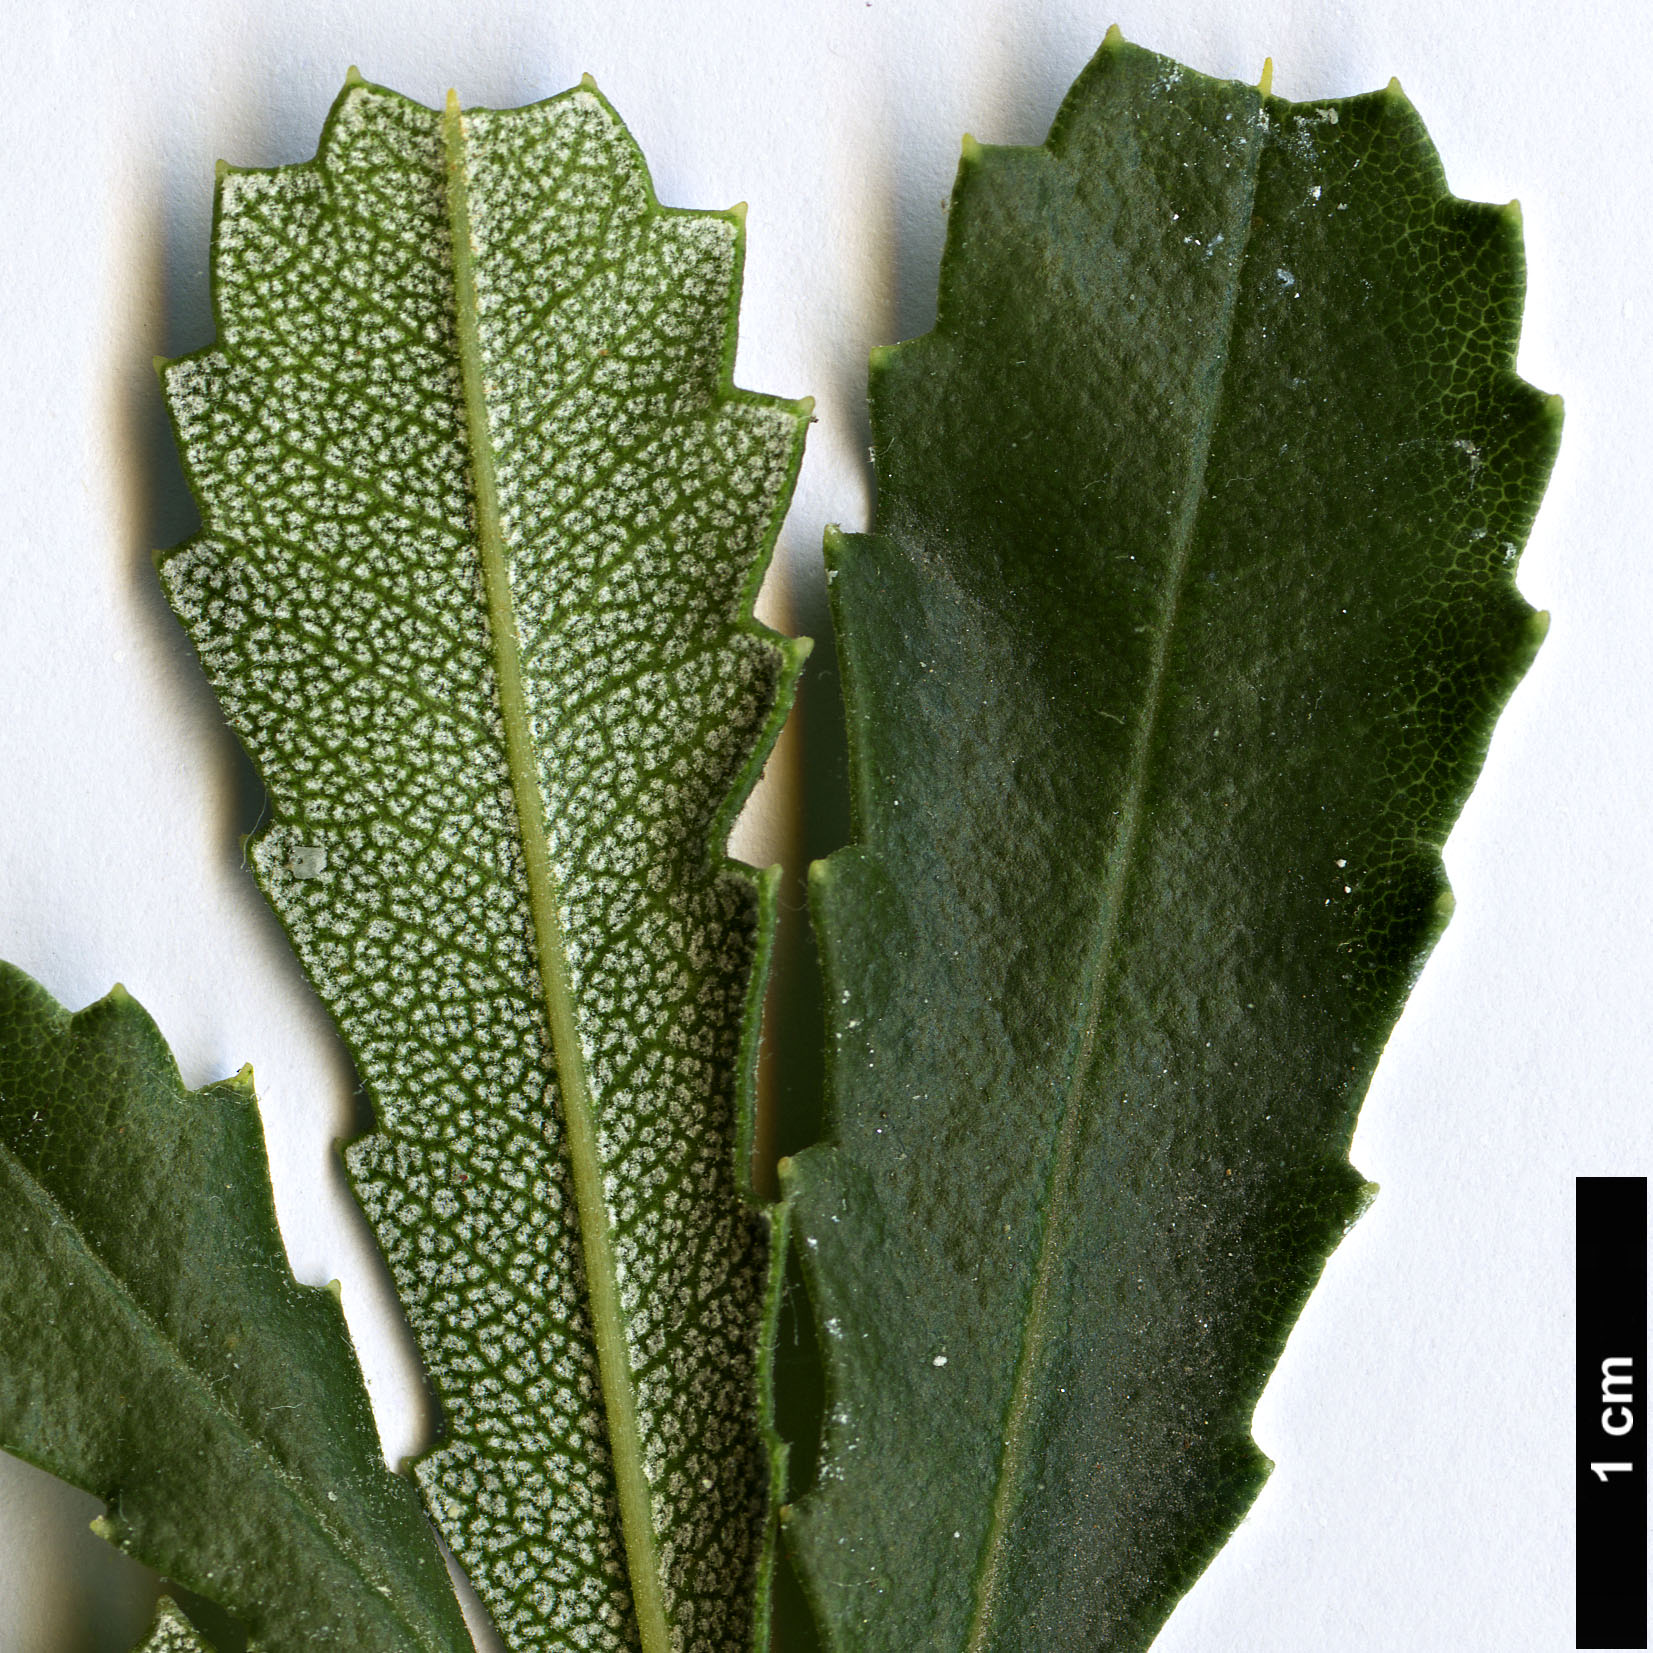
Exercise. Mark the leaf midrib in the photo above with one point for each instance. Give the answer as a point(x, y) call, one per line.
point(1095, 980)
point(51, 1211)
point(579, 1123)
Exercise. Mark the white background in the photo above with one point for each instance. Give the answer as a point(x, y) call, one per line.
point(1421, 1420)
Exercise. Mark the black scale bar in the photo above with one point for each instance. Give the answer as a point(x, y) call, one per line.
point(1613, 1397)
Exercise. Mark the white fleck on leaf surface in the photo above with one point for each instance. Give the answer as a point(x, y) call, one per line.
point(484, 518)
point(171, 1632)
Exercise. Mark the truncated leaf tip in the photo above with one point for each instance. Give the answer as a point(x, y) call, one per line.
point(460, 466)
point(1030, 880)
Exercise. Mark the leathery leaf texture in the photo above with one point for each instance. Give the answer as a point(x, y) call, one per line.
point(483, 520)
point(1171, 659)
point(156, 1351)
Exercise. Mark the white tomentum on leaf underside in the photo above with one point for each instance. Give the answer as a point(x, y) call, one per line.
point(481, 535)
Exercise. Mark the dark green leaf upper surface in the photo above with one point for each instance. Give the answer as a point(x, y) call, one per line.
point(1171, 660)
point(156, 1351)
point(484, 518)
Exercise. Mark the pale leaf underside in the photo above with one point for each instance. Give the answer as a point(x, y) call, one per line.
point(483, 522)
point(1171, 659)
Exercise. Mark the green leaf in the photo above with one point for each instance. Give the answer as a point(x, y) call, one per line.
point(484, 518)
point(1171, 660)
point(156, 1351)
